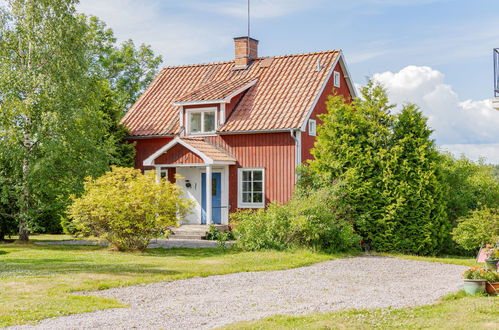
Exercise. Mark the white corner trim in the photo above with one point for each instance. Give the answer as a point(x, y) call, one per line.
point(222, 115)
point(150, 161)
point(346, 74)
point(240, 204)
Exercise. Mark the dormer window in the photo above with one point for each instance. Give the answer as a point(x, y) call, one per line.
point(201, 121)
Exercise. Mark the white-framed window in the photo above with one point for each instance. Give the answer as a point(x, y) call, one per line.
point(312, 127)
point(201, 121)
point(337, 79)
point(251, 188)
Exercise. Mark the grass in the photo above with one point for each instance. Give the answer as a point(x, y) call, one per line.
point(455, 311)
point(36, 280)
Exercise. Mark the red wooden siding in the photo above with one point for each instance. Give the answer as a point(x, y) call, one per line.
point(307, 141)
point(146, 147)
point(273, 151)
point(178, 154)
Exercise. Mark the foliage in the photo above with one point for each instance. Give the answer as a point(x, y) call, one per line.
point(222, 236)
point(125, 71)
point(480, 226)
point(64, 86)
point(48, 124)
point(478, 273)
point(468, 186)
point(316, 219)
point(39, 281)
point(139, 210)
point(388, 164)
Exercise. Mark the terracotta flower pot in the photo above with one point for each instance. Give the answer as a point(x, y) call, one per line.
point(472, 287)
point(492, 288)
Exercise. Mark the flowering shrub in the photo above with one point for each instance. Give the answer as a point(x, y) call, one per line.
point(127, 208)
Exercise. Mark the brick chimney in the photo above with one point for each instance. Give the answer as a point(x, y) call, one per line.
point(244, 54)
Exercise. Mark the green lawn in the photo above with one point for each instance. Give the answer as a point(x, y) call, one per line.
point(35, 280)
point(453, 312)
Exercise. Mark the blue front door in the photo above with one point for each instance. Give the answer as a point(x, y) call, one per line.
point(216, 193)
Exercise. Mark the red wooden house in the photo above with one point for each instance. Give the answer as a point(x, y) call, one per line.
point(235, 131)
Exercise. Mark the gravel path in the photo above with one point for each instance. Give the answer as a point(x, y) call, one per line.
point(208, 302)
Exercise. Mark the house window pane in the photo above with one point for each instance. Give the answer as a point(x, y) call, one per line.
point(246, 197)
point(257, 186)
point(246, 175)
point(246, 187)
point(195, 122)
point(252, 188)
point(209, 121)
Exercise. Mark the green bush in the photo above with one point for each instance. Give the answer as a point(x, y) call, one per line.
point(127, 208)
point(316, 220)
point(481, 226)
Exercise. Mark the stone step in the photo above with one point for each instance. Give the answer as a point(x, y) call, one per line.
point(186, 237)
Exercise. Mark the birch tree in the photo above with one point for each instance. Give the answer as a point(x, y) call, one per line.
point(50, 125)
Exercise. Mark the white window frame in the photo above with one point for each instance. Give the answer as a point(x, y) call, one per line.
point(188, 114)
point(337, 79)
point(240, 203)
point(312, 127)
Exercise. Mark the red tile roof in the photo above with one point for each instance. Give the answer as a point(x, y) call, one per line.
point(286, 90)
point(216, 90)
point(209, 150)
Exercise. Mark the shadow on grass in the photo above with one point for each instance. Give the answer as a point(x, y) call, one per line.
point(49, 262)
point(3, 252)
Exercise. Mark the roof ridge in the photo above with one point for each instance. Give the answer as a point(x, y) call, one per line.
point(259, 58)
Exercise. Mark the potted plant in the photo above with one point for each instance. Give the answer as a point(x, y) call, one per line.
point(492, 257)
point(492, 285)
point(474, 281)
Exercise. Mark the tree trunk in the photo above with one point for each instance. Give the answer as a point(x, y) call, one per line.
point(24, 209)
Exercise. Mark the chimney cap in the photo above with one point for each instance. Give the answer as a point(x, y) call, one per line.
point(239, 38)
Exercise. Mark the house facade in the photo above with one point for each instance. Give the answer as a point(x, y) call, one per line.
point(235, 131)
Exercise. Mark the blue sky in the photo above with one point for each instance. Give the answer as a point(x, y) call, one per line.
point(452, 39)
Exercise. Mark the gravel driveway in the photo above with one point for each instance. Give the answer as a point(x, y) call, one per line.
point(208, 302)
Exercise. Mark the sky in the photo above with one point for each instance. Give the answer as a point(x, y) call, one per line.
point(435, 53)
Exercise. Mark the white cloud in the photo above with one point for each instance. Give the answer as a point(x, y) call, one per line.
point(469, 127)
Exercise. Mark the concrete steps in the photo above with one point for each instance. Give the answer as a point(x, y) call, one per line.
point(191, 232)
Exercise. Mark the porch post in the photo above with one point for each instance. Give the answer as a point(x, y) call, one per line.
point(209, 213)
point(158, 173)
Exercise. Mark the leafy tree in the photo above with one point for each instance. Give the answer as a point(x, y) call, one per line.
point(49, 126)
point(468, 186)
point(389, 166)
point(125, 71)
point(414, 218)
point(64, 86)
point(140, 209)
point(480, 226)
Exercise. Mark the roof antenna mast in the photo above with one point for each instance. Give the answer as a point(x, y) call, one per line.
point(248, 20)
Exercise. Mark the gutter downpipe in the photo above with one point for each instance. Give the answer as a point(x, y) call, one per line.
point(296, 136)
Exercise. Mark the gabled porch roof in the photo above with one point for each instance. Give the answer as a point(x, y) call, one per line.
point(209, 153)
